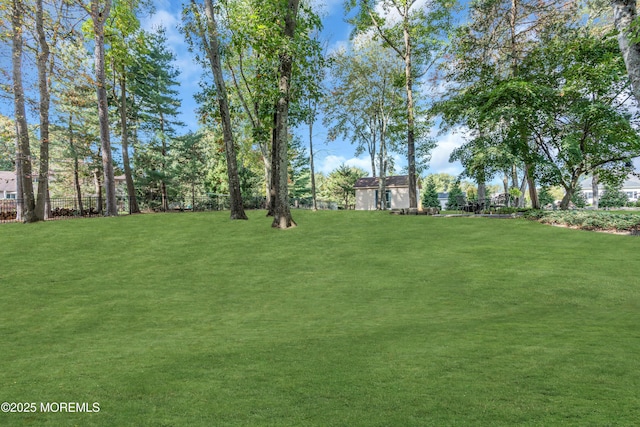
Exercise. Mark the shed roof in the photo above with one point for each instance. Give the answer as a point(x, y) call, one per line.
point(390, 181)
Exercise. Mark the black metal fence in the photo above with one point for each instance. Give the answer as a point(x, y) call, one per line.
point(70, 207)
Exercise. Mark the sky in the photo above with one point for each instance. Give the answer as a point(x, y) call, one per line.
point(328, 156)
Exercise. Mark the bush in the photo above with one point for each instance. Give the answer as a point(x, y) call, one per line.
point(588, 220)
point(545, 197)
point(613, 199)
point(578, 199)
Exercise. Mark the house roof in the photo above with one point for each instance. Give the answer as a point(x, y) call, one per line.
point(8, 181)
point(631, 183)
point(390, 181)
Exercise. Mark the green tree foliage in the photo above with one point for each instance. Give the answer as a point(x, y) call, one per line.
point(559, 109)
point(429, 194)
point(7, 144)
point(157, 106)
point(577, 85)
point(416, 33)
point(455, 193)
point(442, 181)
point(613, 198)
point(341, 182)
point(545, 196)
point(365, 101)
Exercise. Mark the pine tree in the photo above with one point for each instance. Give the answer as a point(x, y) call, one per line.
point(430, 195)
point(158, 103)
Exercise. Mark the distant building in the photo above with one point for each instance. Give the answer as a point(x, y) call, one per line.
point(8, 185)
point(396, 192)
point(631, 187)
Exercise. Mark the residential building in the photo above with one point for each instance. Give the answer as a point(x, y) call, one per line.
point(8, 185)
point(396, 192)
point(631, 187)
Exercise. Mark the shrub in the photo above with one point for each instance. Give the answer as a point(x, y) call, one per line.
point(545, 197)
point(613, 199)
point(587, 220)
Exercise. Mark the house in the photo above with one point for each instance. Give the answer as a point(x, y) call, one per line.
point(397, 192)
point(8, 185)
point(631, 187)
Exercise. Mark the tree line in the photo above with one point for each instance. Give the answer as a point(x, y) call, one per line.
point(545, 92)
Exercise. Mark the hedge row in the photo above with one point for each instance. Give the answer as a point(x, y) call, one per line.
point(588, 220)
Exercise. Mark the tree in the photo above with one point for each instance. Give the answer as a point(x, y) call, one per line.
point(189, 160)
point(487, 52)
point(206, 28)
point(364, 103)
point(455, 193)
point(281, 212)
point(417, 38)
point(430, 195)
point(43, 85)
point(545, 196)
point(27, 206)
point(128, 48)
point(341, 183)
point(157, 107)
point(7, 144)
point(576, 88)
point(98, 11)
point(443, 181)
point(626, 22)
point(613, 197)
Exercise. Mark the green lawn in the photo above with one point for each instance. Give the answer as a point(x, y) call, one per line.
point(350, 319)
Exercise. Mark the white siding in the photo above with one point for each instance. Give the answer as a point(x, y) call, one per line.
point(366, 198)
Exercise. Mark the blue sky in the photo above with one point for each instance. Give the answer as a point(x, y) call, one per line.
point(336, 33)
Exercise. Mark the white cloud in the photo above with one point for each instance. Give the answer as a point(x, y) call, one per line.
point(190, 71)
point(331, 162)
point(340, 45)
point(391, 14)
point(440, 155)
point(326, 7)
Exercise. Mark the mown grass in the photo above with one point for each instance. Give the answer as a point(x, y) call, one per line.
point(350, 319)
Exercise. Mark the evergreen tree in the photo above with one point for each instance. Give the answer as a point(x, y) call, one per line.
point(545, 197)
point(158, 103)
point(430, 195)
point(455, 193)
point(613, 198)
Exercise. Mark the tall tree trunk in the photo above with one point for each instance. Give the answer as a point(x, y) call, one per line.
point(43, 84)
point(18, 163)
point(282, 214)
point(314, 201)
point(163, 175)
point(131, 189)
point(522, 188)
point(76, 177)
point(382, 181)
point(624, 15)
point(23, 154)
point(273, 183)
point(266, 161)
point(99, 16)
point(533, 192)
point(564, 203)
point(482, 190)
point(213, 52)
point(594, 188)
point(411, 146)
point(98, 187)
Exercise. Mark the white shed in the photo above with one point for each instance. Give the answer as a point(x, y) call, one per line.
point(397, 192)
